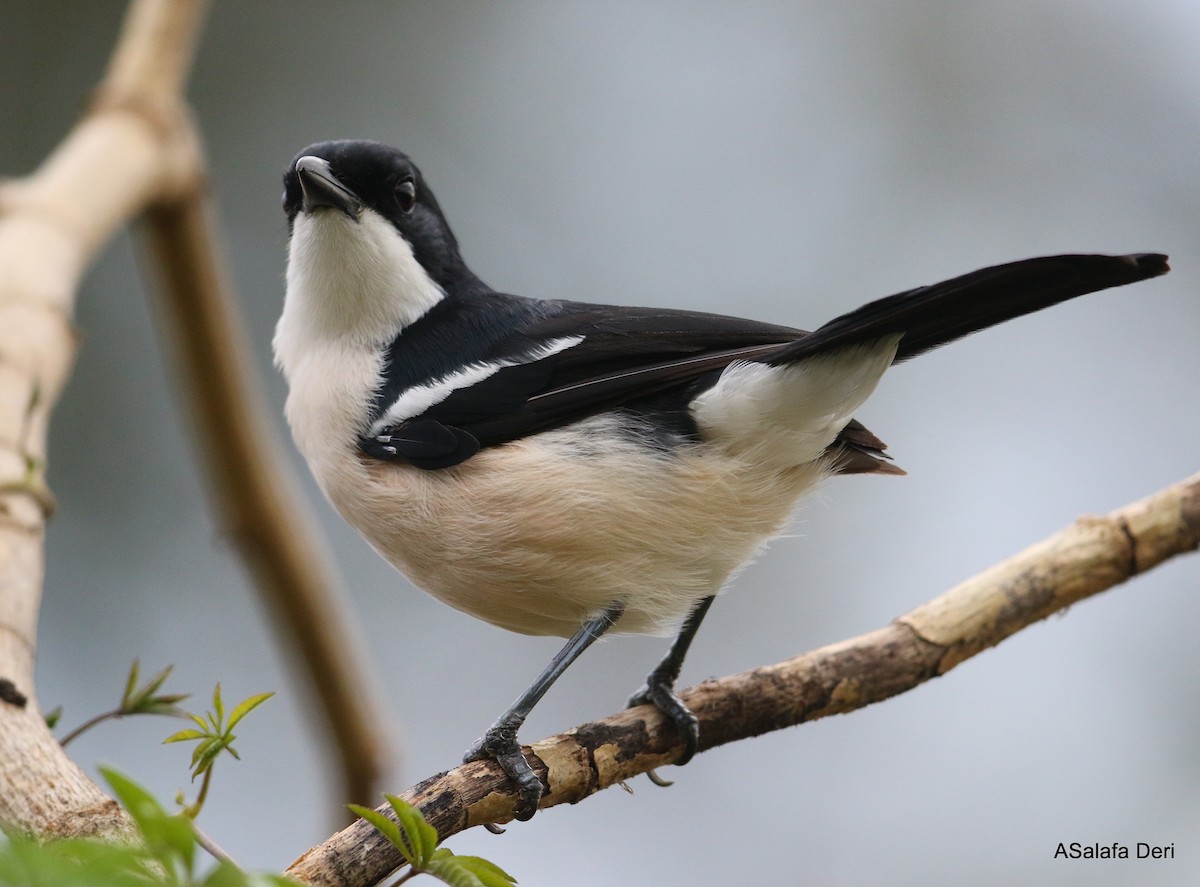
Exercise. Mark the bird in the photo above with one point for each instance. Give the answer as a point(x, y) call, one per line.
point(563, 468)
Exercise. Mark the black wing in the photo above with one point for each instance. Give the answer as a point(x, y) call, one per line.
point(630, 355)
point(624, 355)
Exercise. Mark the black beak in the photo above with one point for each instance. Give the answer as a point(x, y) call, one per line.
point(321, 188)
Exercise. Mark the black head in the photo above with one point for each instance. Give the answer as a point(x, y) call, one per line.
point(350, 177)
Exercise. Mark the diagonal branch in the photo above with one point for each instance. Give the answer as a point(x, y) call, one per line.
point(1090, 556)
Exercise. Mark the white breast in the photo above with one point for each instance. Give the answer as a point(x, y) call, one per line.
point(352, 287)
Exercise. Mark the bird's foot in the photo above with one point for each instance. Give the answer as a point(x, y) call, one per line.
point(500, 744)
point(660, 692)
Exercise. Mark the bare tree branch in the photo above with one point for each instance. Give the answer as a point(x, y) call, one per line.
point(134, 151)
point(52, 223)
point(1091, 555)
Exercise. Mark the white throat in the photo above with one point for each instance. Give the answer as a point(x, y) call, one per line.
point(352, 287)
point(357, 283)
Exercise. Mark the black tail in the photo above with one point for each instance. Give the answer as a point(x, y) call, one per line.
point(930, 316)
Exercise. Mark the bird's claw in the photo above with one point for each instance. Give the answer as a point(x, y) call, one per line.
point(653, 776)
point(501, 746)
point(662, 696)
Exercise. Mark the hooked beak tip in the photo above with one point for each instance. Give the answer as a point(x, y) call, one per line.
point(322, 190)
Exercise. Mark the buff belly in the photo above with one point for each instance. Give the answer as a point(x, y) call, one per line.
point(537, 535)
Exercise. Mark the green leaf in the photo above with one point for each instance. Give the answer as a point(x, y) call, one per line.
point(143, 700)
point(246, 706)
point(140, 804)
point(53, 717)
point(259, 879)
point(385, 827)
point(467, 871)
point(72, 862)
point(218, 707)
point(184, 736)
point(421, 835)
point(130, 683)
point(157, 681)
point(226, 874)
point(202, 748)
point(213, 737)
point(489, 874)
point(205, 754)
point(167, 704)
point(169, 838)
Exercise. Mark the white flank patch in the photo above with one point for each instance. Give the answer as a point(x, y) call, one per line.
point(416, 400)
point(791, 413)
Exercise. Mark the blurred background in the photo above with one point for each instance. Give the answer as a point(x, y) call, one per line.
point(782, 160)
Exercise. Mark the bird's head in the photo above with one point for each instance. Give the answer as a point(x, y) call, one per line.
point(350, 182)
point(369, 250)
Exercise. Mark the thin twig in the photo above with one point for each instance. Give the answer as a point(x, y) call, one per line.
point(212, 847)
point(110, 715)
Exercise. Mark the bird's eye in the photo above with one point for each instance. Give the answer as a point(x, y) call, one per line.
point(406, 194)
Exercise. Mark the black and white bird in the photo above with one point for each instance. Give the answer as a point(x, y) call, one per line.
point(561, 468)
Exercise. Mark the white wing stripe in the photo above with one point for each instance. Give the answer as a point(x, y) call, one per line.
point(417, 399)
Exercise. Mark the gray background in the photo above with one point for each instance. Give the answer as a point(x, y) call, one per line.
point(781, 160)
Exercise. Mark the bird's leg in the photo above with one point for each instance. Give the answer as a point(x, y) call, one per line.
point(660, 684)
point(500, 744)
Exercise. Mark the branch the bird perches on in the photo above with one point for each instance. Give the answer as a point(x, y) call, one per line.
point(1088, 557)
